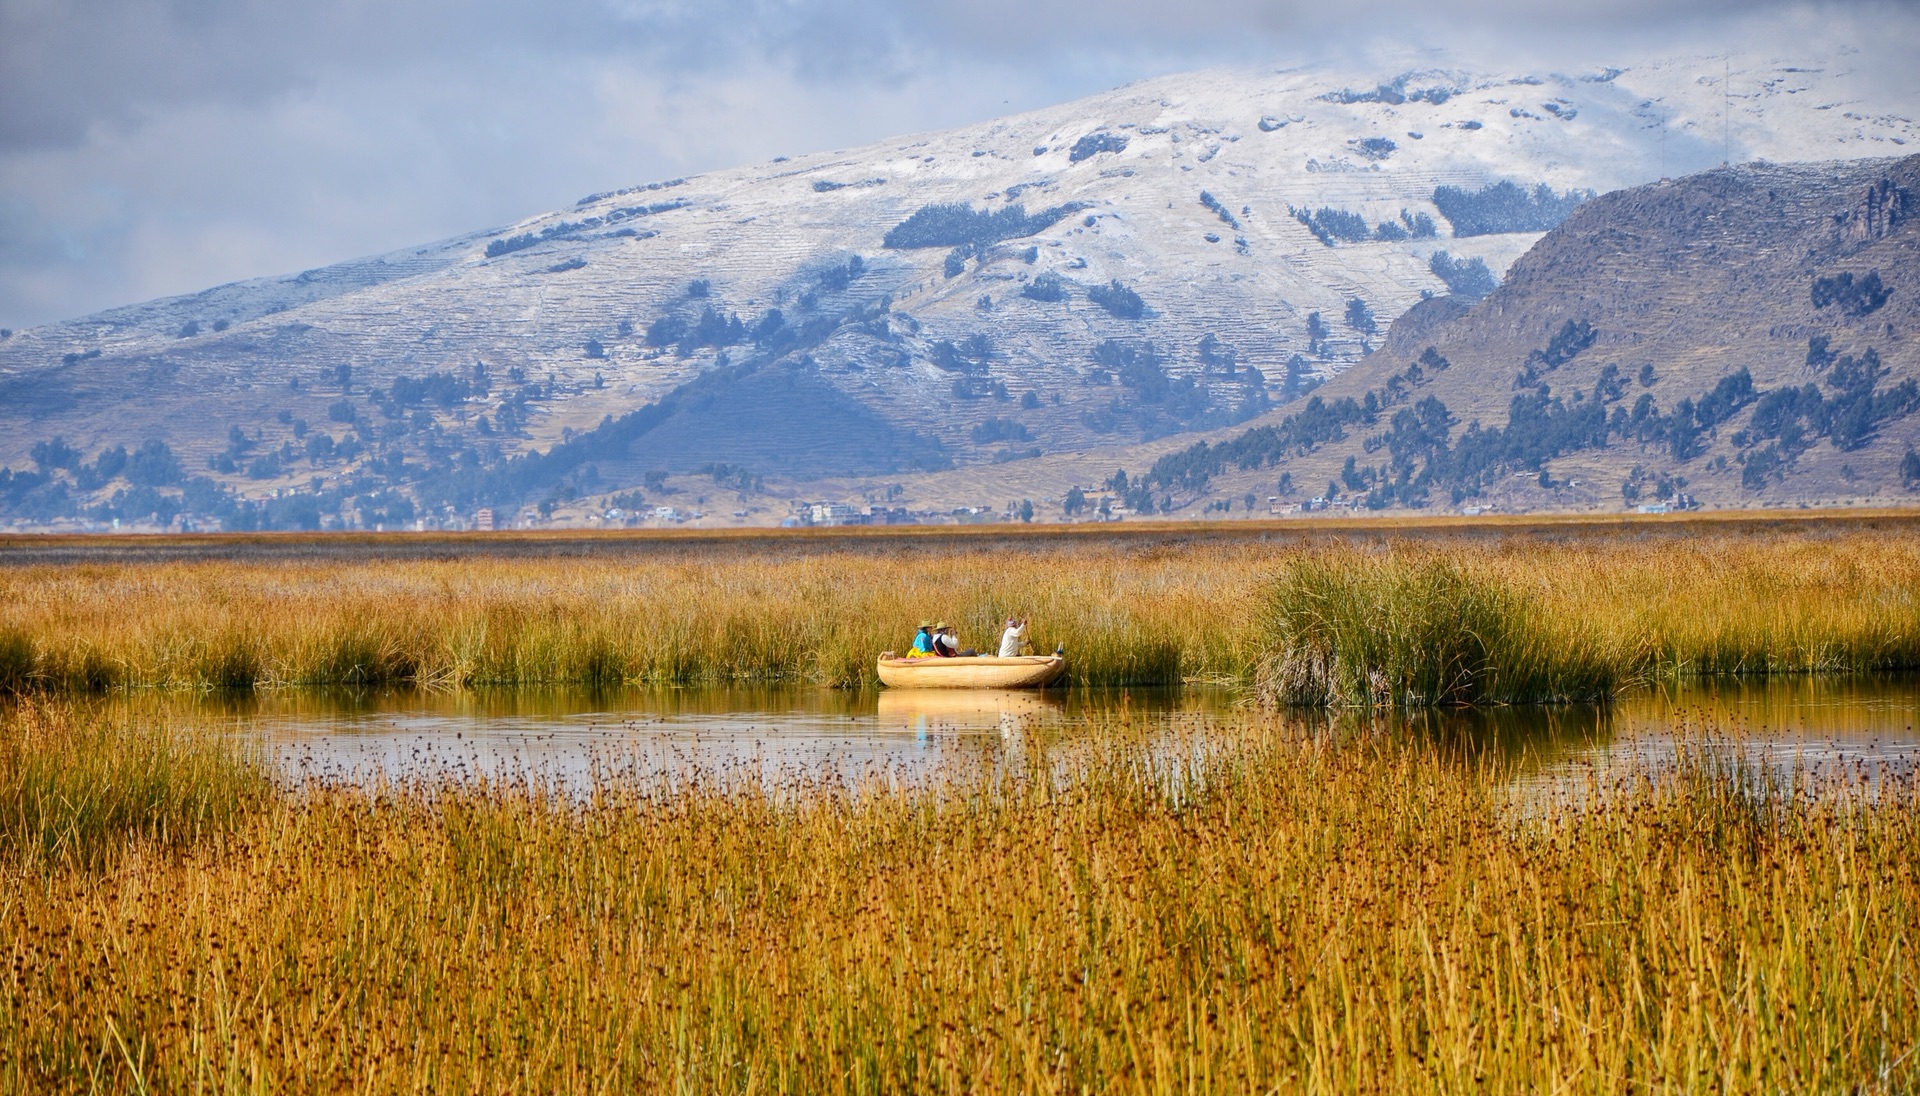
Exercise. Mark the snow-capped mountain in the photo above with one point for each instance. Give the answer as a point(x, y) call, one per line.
point(1081, 277)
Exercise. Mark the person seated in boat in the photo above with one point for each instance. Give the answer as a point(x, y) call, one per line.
point(947, 645)
point(923, 645)
point(1013, 641)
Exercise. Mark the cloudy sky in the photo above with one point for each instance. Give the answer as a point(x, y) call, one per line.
point(150, 147)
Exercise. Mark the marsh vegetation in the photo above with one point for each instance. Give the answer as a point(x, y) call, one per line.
point(1388, 617)
point(1240, 908)
point(1244, 897)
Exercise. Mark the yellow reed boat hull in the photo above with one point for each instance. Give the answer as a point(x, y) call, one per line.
point(979, 672)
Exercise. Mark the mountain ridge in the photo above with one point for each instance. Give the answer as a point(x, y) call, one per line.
point(1740, 337)
point(1209, 218)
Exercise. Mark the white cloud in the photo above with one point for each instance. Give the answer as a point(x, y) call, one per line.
point(150, 147)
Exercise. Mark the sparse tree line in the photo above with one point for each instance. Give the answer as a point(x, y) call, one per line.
point(1333, 226)
point(1496, 208)
point(1423, 452)
point(152, 468)
point(407, 406)
point(958, 224)
point(1505, 207)
point(562, 230)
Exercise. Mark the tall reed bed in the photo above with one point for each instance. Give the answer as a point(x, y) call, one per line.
point(1569, 616)
point(75, 790)
point(1276, 911)
point(1419, 630)
point(674, 619)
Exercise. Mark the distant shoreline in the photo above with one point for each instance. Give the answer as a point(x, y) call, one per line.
point(54, 549)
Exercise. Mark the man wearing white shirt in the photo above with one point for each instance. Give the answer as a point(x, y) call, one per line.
point(1013, 641)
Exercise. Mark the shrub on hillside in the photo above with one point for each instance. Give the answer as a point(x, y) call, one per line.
point(1220, 210)
point(1118, 300)
point(508, 244)
point(1855, 298)
point(153, 465)
point(1505, 207)
point(995, 429)
point(1573, 337)
point(1137, 365)
point(1376, 148)
point(1464, 277)
point(1048, 287)
point(1328, 224)
point(55, 453)
point(1093, 144)
point(1360, 317)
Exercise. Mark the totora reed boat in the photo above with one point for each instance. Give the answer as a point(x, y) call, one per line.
point(973, 672)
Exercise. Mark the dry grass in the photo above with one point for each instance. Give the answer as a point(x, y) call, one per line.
point(1730, 599)
point(1291, 911)
point(74, 789)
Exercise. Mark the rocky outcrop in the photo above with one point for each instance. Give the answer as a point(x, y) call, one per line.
point(1883, 208)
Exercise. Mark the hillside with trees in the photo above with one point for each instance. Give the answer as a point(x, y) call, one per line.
point(1743, 337)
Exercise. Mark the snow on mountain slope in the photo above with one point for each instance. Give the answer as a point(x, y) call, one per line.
point(1182, 189)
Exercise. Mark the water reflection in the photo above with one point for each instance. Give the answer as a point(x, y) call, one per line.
point(559, 732)
point(931, 711)
point(1856, 728)
point(1816, 724)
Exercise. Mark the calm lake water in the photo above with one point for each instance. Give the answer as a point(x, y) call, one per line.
point(1853, 726)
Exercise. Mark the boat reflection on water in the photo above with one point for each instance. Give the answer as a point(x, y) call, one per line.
point(925, 712)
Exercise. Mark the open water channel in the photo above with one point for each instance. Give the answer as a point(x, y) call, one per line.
point(1860, 728)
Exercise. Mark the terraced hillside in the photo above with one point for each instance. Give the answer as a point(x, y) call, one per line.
point(1744, 336)
point(1167, 260)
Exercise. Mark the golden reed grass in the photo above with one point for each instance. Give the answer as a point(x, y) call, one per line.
point(1287, 911)
point(75, 787)
point(1586, 606)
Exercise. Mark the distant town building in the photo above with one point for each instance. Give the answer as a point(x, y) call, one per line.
point(834, 514)
point(483, 519)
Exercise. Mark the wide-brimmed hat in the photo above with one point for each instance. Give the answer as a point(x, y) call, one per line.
point(926, 624)
point(942, 624)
